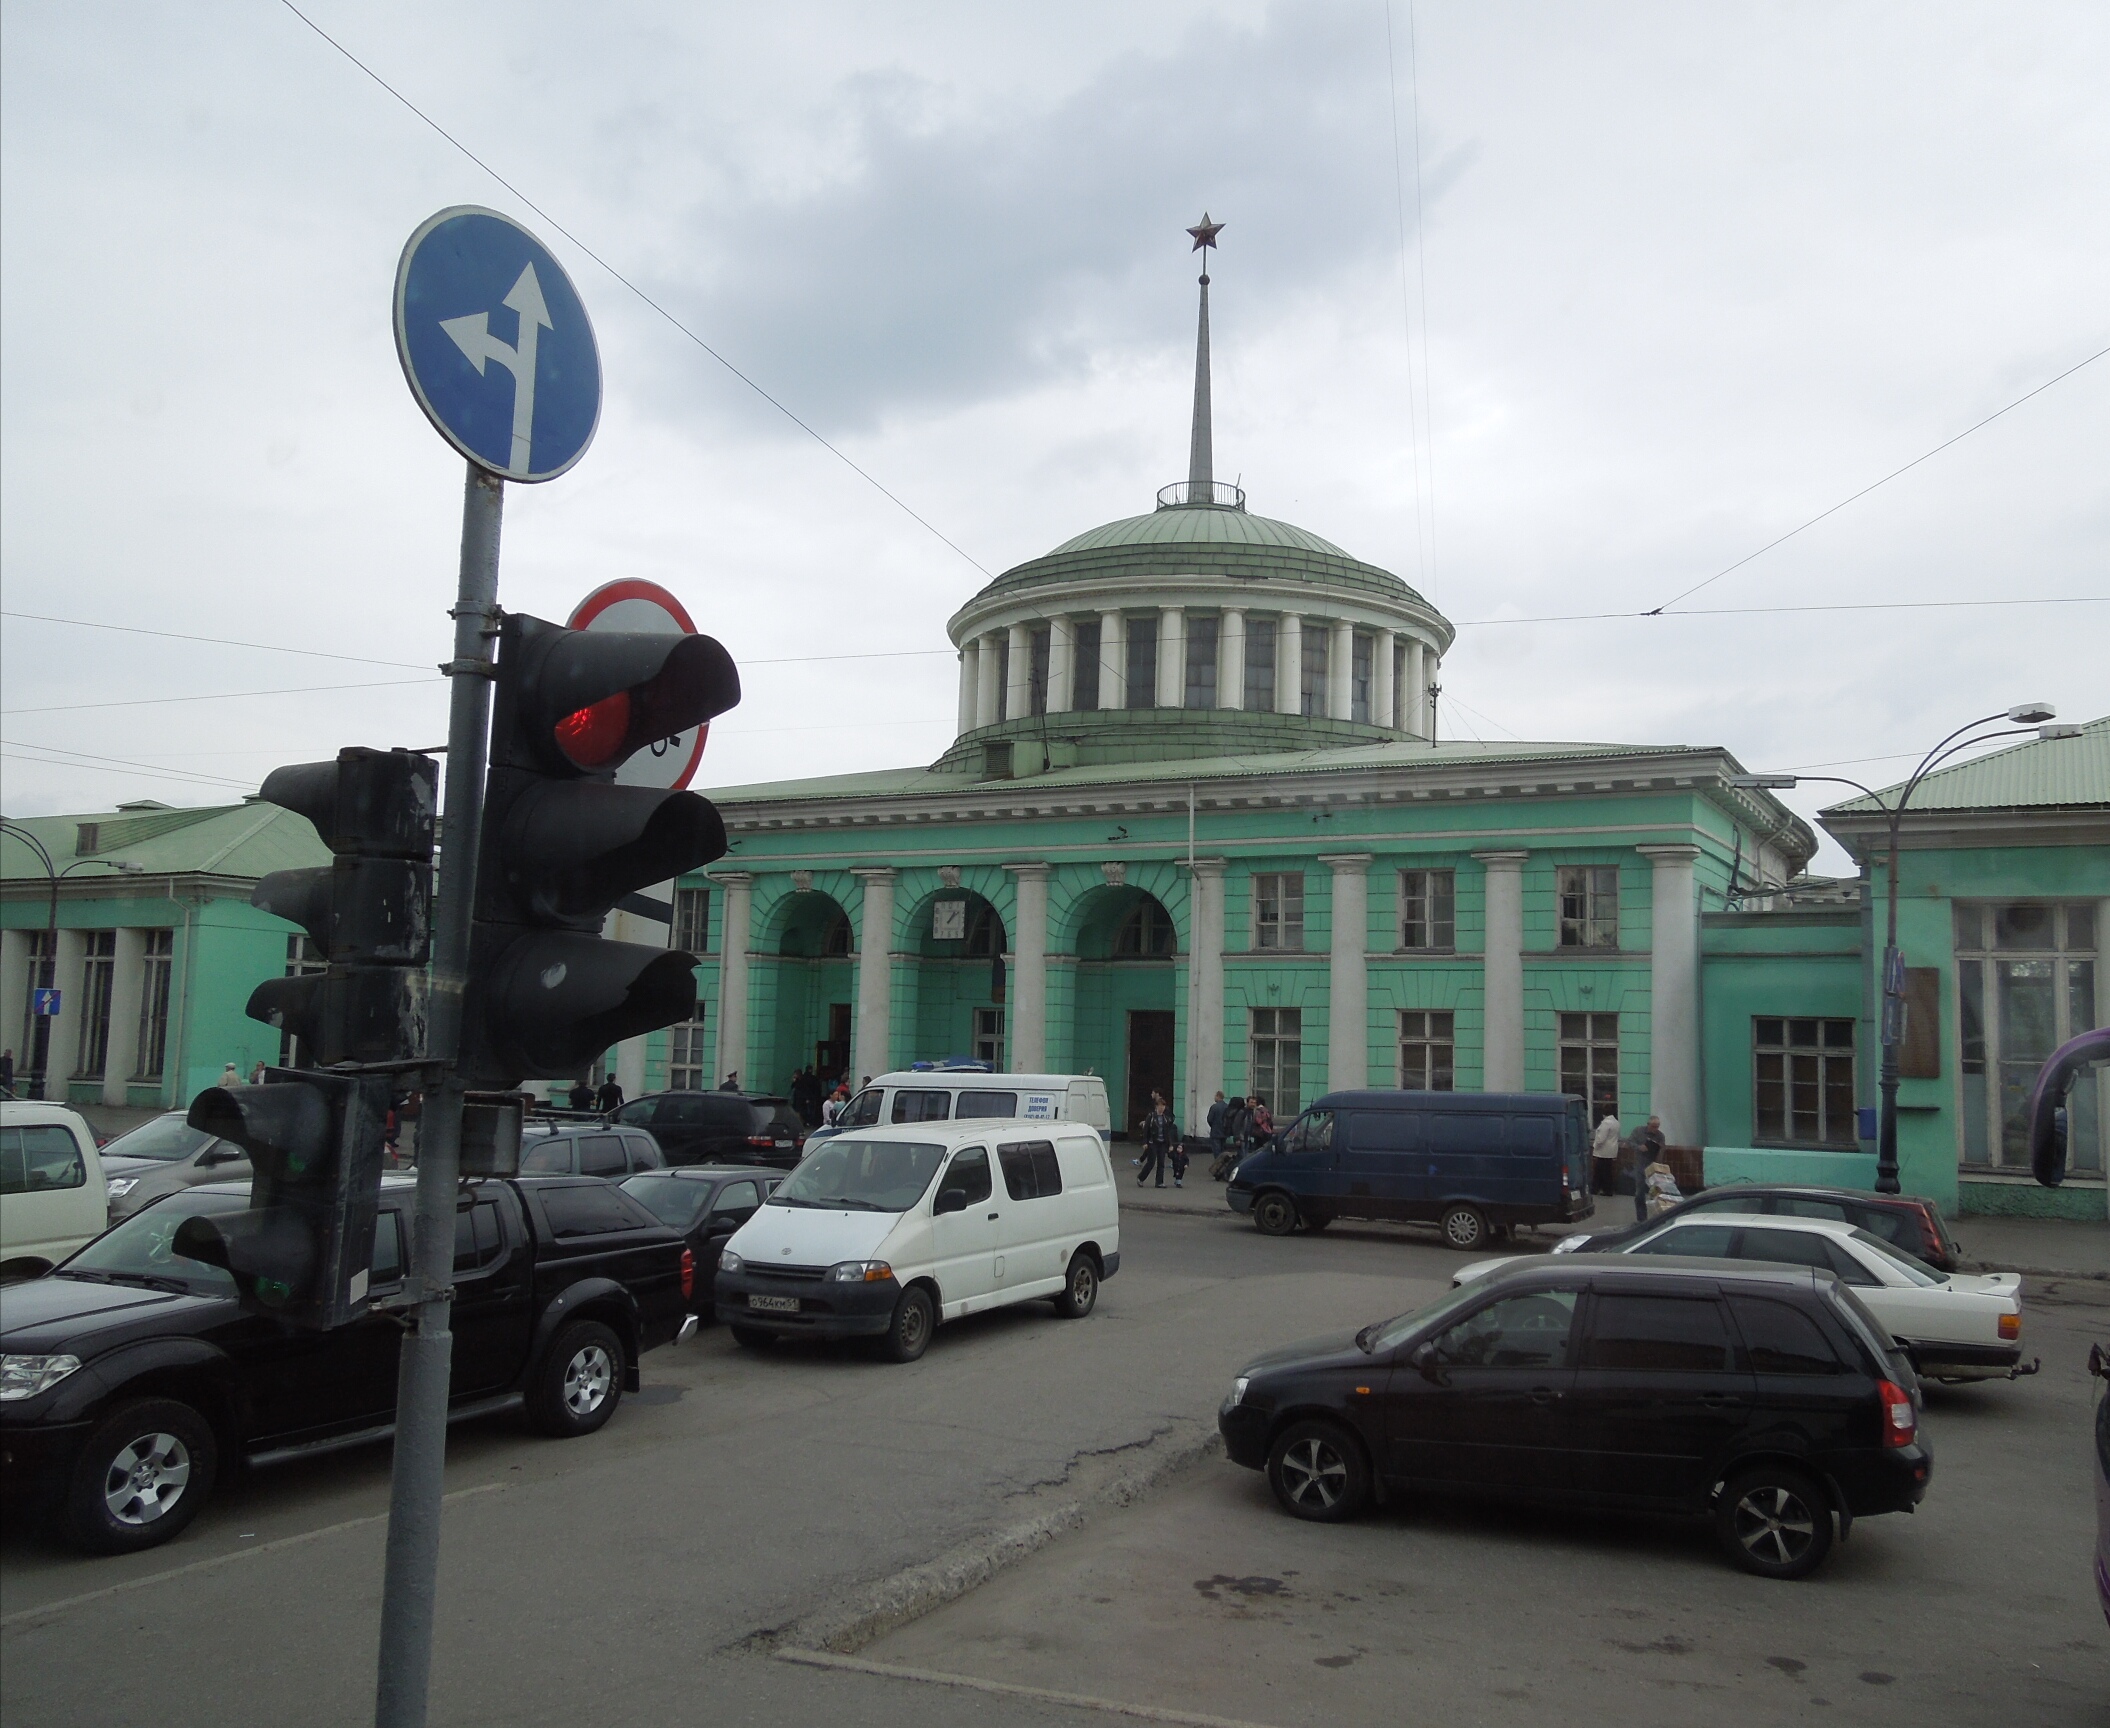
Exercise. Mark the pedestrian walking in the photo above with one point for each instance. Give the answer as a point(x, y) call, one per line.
point(1160, 1135)
point(7, 1073)
point(581, 1095)
point(1237, 1124)
point(1648, 1149)
point(230, 1076)
point(610, 1097)
point(1604, 1154)
point(1263, 1123)
point(1219, 1114)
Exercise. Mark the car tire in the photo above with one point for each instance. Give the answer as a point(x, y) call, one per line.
point(908, 1332)
point(1464, 1228)
point(1775, 1521)
point(1080, 1287)
point(1274, 1214)
point(1318, 1471)
point(579, 1382)
point(141, 1477)
point(750, 1337)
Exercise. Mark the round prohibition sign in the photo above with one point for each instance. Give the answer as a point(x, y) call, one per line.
point(646, 609)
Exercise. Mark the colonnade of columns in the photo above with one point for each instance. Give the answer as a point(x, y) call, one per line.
point(123, 1054)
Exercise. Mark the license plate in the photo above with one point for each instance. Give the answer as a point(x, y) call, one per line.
point(775, 1304)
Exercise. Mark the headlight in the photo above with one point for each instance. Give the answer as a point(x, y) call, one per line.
point(26, 1376)
point(860, 1272)
point(1569, 1244)
point(1238, 1387)
point(728, 1261)
point(122, 1185)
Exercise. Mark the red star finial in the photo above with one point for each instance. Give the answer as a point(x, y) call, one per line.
point(1206, 234)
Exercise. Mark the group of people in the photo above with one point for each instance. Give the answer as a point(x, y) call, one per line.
point(817, 1099)
point(1658, 1187)
point(1236, 1126)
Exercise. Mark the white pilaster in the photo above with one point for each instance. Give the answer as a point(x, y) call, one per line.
point(739, 886)
point(1674, 994)
point(1028, 1019)
point(1340, 673)
point(970, 672)
point(1502, 988)
point(1018, 690)
point(1062, 664)
point(872, 1034)
point(1348, 1011)
point(1382, 688)
point(127, 985)
point(1172, 657)
point(987, 689)
point(1230, 660)
point(1289, 665)
point(1205, 993)
point(1113, 660)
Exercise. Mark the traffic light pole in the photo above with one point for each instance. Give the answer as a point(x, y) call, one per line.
point(411, 1584)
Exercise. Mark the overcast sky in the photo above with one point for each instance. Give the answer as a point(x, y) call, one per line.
point(1692, 275)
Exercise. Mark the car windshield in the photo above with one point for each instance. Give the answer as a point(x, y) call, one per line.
point(1910, 1264)
point(138, 1251)
point(1389, 1334)
point(165, 1139)
point(862, 1176)
point(675, 1200)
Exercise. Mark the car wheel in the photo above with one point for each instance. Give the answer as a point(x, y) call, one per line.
point(1775, 1521)
point(908, 1333)
point(1317, 1472)
point(141, 1477)
point(1080, 1287)
point(1274, 1214)
point(580, 1381)
point(1464, 1228)
point(750, 1337)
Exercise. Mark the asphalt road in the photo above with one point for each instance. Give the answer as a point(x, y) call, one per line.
point(645, 1574)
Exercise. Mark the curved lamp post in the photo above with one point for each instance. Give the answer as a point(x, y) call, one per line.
point(51, 926)
point(2024, 717)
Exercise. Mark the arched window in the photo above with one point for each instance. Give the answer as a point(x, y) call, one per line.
point(985, 934)
point(1145, 931)
point(836, 939)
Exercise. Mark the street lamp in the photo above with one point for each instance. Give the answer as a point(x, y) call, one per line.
point(119, 866)
point(2023, 717)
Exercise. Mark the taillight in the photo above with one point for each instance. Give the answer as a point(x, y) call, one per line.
point(688, 1274)
point(760, 1140)
point(1900, 1424)
point(2010, 1326)
point(1930, 1231)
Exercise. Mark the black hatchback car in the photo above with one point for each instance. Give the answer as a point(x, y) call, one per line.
point(719, 1127)
point(706, 1203)
point(1763, 1398)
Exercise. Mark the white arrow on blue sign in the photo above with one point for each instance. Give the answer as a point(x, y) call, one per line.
point(525, 408)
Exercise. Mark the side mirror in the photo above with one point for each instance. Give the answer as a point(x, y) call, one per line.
point(1424, 1358)
point(223, 1155)
point(952, 1200)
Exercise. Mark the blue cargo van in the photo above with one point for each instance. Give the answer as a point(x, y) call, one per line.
point(1473, 1163)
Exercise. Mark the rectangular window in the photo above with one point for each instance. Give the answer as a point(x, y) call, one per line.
point(1260, 665)
point(36, 1028)
point(1201, 662)
point(98, 974)
point(1030, 1170)
point(989, 1036)
point(1426, 1048)
point(692, 920)
point(39, 1156)
point(1278, 911)
point(1589, 1061)
point(1142, 662)
point(1278, 1060)
point(303, 959)
point(1084, 667)
point(1399, 718)
point(1003, 676)
point(1803, 1082)
point(1589, 895)
point(1428, 909)
point(2025, 983)
point(1360, 675)
point(1312, 690)
point(1037, 669)
point(688, 1058)
point(154, 1003)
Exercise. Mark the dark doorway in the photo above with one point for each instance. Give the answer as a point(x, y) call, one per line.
point(832, 1056)
point(1149, 1061)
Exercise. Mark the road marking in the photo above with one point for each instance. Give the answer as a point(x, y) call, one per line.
point(218, 1560)
point(1006, 1689)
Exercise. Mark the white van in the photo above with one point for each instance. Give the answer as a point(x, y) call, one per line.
point(956, 1094)
point(885, 1232)
point(53, 1196)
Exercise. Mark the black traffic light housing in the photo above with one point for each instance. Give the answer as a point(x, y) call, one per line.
point(302, 1251)
point(562, 844)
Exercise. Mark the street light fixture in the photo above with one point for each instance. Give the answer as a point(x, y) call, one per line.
point(2024, 716)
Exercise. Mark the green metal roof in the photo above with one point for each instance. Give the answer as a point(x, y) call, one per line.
point(1199, 524)
point(2039, 774)
point(243, 840)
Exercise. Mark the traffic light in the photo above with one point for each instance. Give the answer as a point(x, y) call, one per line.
point(563, 844)
point(302, 1250)
point(369, 912)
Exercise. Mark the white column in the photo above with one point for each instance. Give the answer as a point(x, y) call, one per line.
point(1028, 1020)
point(1348, 1011)
point(871, 1036)
point(63, 1050)
point(127, 985)
point(1381, 685)
point(1172, 657)
point(970, 673)
point(1062, 664)
point(14, 996)
point(1113, 660)
point(1230, 660)
point(1502, 988)
point(1417, 694)
point(1018, 684)
point(1205, 992)
point(1289, 664)
point(1674, 994)
point(1340, 673)
point(739, 886)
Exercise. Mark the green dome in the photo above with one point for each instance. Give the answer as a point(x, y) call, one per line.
point(1202, 524)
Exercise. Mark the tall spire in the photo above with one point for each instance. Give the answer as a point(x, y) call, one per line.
point(1201, 465)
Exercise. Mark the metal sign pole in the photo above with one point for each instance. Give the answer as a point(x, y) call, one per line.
point(411, 1585)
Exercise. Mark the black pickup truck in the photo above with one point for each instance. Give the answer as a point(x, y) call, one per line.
point(131, 1376)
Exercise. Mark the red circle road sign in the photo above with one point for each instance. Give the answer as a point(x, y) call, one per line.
point(646, 609)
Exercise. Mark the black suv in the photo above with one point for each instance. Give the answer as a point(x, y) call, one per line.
point(561, 1149)
point(719, 1127)
point(1763, 1398)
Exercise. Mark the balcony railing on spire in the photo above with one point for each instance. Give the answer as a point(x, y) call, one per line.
point(1213, 494)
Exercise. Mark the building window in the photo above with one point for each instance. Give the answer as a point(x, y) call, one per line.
point(1398, 718)
point(1260, 665)
point(1084, 667)
point(303, 960)
point(985, 931)
point(1037, 670)
point(989, 1036)
point(1145, 932)
point(1143, 662)
point(1803, 1082)
point(688, 1058)
point(1428, 909)
point(36, 1028)
point(1426, 1050)
point(154, 1003)
point(2025, 983)
point(1278, 911)
point(1589, 905)
point(1589, 1061)
point(1003, 676)
point(1278, 1060)
point(98, 974)
point(1312, 691)
point(1201, 662)
point(1359, 676)
point(692, 920)
point(835, 940)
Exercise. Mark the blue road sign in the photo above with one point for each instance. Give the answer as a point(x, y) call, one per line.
point(44, 1005)
point(525, 408)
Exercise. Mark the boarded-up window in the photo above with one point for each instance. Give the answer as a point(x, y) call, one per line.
point(1919, 1056)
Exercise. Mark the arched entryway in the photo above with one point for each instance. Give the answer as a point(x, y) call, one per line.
point(1124, 1013)
point(955, 978)
point(814, 983)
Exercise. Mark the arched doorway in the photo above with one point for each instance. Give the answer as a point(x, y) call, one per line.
point(956, 977)
point(815, 985)
point(1126, 1018)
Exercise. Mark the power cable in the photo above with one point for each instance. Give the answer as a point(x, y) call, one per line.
point(226, 696)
